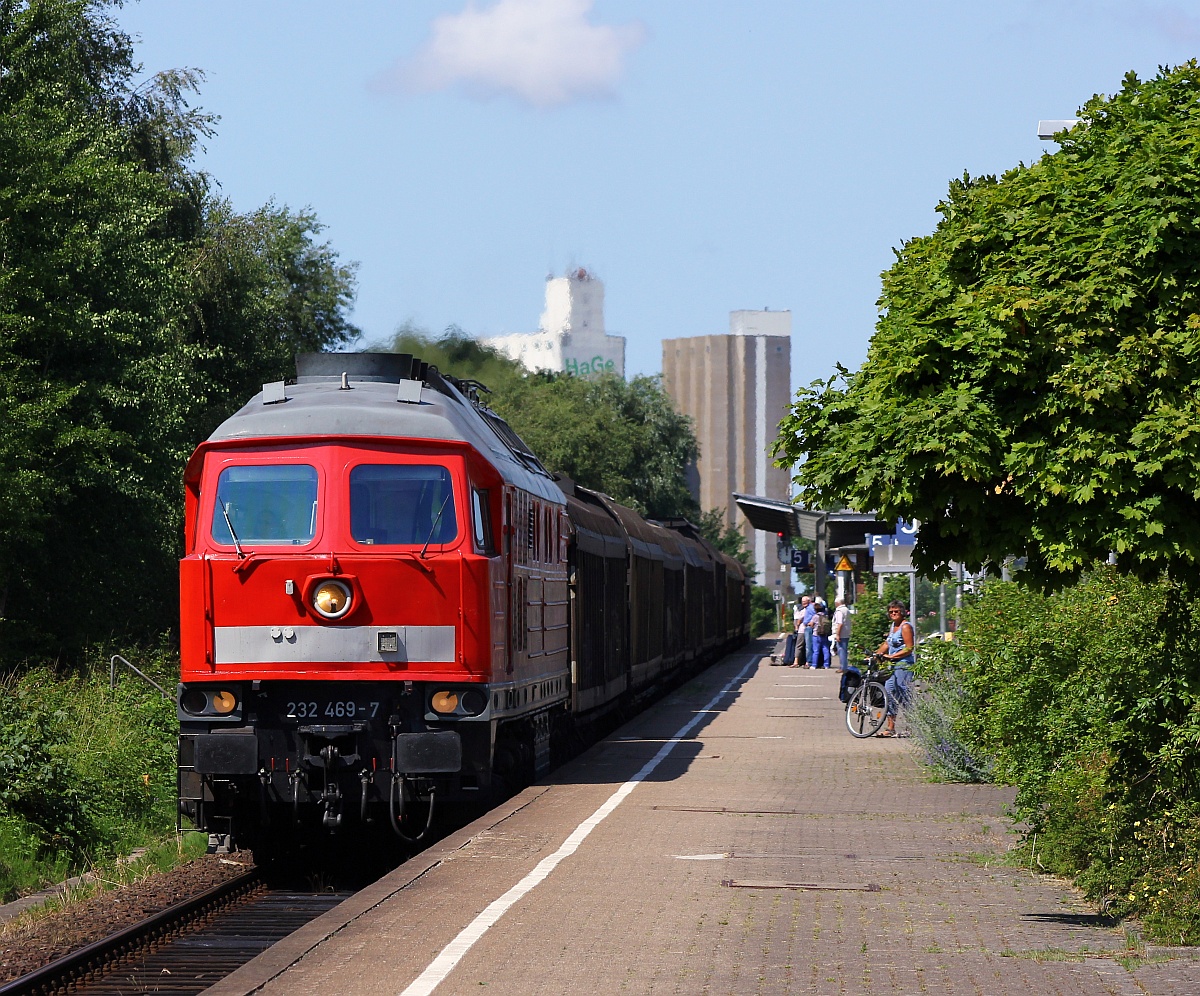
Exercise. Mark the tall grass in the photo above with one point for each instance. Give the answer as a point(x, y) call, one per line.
point(86, 772)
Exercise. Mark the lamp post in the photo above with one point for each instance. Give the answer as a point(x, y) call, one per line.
point(1046, 130)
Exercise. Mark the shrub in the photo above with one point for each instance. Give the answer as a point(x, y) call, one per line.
point(935, 720)
point(764, 611)
point(1087, 701)
point(86, 771)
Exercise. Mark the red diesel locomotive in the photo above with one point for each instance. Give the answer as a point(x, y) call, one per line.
point(386, 599)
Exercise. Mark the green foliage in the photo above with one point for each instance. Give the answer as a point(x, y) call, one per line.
point(1032, 385)
point(261, 289)
point(1087, 701)
point(624, 439)
point(764, 611)
point(85, 771)
point(935, 718)
point(136, 311)
point(728, 539)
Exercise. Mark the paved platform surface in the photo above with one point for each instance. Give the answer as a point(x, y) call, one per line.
point(767, 852)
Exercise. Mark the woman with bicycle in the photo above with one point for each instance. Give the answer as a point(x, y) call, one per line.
point(898, 649)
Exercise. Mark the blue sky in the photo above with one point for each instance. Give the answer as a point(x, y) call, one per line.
point(698, 156)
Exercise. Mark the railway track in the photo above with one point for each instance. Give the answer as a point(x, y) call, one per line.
point(185, 948)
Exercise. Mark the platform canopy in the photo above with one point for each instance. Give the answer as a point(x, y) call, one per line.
point(773, 516)
point(841, 529)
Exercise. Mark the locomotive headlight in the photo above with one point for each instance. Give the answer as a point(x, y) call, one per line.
point(194, 701)
point(473, 702)
point(209, 701)
point(332, 599)
point(223, 702)
point(444, 702)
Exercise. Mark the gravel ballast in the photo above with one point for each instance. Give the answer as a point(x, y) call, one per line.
point(27, 944)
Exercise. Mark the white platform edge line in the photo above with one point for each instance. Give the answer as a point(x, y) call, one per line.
point(453, 953)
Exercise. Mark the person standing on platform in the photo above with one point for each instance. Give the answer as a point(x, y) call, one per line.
point(802, 615)
point(821, 627)
point(898, 650)
point(840, 636)
point(810, 610)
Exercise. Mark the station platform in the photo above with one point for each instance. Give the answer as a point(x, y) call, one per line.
point(732, 839)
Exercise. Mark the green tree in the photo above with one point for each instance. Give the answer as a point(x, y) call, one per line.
point(622, 438)
point(86, 257)
point(260, 289)
point(728, 539)
point(135, 312)
point(1032, 386)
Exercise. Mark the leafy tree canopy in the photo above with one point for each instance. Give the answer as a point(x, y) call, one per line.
point(624, 439)
point(136, 310)
point(1033, 385)
point(728, 539)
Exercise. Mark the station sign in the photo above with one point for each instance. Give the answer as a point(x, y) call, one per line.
point(905, 535)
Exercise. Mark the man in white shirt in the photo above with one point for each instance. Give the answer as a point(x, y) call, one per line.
point(840, 638)
point(798, 611)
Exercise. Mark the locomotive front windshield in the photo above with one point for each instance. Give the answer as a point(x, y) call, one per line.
point(275, 504)
point(394, 504)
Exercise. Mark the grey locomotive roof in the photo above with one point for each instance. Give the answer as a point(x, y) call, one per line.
point(322, 407)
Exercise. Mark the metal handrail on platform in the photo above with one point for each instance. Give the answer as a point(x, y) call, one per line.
point(112, 675)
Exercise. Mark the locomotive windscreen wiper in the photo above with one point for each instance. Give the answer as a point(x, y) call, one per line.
point(437, 518)
point(229, 523)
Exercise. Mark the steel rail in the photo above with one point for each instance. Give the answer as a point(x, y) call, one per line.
point(95, 957)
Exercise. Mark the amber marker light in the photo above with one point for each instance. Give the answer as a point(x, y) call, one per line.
point(223, 702)
point(332, 599)
point(444, 702)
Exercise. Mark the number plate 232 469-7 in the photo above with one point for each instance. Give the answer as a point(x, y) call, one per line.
point(345, 709)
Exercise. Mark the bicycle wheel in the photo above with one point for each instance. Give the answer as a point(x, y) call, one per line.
point(867, 710)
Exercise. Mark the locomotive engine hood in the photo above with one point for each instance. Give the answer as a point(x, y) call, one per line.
point(385, 395)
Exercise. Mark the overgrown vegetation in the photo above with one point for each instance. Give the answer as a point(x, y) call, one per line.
point(1031, 391)
point(137, 310)
point(1088, 701)
point(764, 611)
point(87, 773)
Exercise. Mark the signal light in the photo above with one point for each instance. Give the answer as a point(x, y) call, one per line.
point(208, 701)
point(223, 702)
point(444, 702)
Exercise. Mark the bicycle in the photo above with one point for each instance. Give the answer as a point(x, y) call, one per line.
point(870, 703)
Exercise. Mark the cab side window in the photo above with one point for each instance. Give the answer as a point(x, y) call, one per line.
point(481, 522)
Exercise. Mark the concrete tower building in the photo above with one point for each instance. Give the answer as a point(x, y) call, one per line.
point(571, 336)
point(736, 388)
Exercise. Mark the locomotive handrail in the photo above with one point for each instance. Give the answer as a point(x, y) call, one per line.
point(112, 675)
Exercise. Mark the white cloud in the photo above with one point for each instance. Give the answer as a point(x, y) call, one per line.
point(544, 52)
